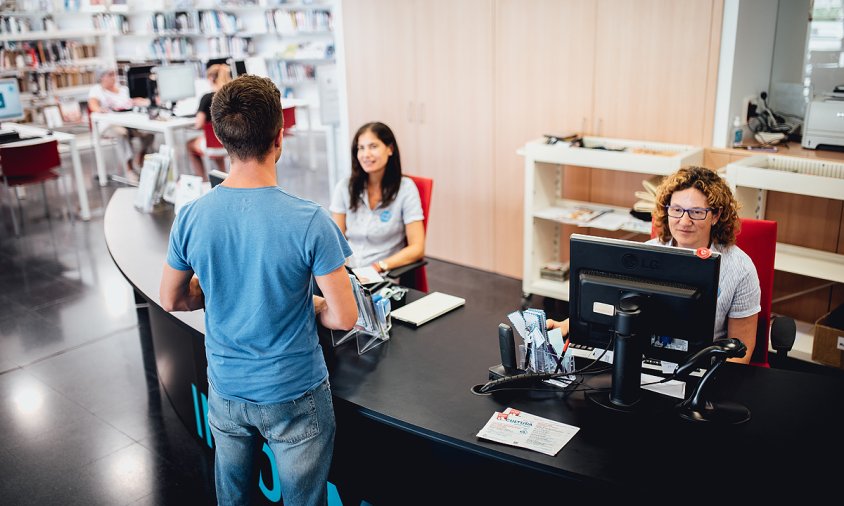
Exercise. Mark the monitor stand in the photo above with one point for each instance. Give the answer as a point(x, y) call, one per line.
point(625, 393)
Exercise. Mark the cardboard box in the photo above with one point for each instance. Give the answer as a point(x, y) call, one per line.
point(828, 346)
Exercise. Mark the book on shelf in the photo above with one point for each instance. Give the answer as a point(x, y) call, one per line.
point(647, 199)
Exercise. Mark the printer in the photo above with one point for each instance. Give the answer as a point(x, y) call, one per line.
point(824, 122)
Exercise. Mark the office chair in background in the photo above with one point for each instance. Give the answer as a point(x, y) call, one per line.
point(413, 275)
point(288, 115)
point(758, 238)
point(214, 150)
point(31, 162)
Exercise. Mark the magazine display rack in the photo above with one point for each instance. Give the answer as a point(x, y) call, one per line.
point(373, 326)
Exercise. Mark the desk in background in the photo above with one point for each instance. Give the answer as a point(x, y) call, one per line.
point(406, 419)
point(138, 121)
point(70, 141)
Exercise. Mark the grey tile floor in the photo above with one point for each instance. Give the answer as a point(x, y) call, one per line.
point(82, 419)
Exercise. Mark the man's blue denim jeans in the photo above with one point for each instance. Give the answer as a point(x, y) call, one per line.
point(300, 434)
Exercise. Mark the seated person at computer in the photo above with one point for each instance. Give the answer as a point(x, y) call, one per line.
point(696, 209)
point(377, 209)
point(218, 75)
point(107, 96)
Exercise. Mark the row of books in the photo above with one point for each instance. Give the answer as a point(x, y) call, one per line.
point(114, 23)
point(291, 22)
point(172, 48)
point(47, 83)
point(290, 72)
point(17, 55)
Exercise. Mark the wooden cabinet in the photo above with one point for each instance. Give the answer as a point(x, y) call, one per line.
point(425, 69)
point(637, 70)
point(543, 85)
point(655, 70)
point(465, 84)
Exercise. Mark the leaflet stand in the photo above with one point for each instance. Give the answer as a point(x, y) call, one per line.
point(373, 325)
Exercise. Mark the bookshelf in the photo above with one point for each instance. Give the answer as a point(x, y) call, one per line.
point(77, 36)
point(51, 49)
point(546, 207)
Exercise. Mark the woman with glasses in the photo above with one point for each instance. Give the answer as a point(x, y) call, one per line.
point(695, 209)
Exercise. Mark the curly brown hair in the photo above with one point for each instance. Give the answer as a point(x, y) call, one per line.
point(718, 196)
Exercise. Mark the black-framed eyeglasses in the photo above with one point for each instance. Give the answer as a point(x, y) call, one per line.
point(695, 213)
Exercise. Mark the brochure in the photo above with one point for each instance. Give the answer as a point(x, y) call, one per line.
point(517, 428)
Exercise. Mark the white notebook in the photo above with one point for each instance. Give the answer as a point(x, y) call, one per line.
point(427, 308)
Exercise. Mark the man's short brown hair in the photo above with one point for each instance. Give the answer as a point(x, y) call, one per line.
point(246, 114)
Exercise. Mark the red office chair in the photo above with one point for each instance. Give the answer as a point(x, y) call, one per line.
point(414, 275)
point(30, 162)
point(288, 114)
point(758, 238)
point(214, 149)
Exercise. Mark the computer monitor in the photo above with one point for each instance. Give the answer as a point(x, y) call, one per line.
point(640, 300)
point(175, 82)
point(239, 67)
point(139, 82)
point(216, 61)
point(11, 107)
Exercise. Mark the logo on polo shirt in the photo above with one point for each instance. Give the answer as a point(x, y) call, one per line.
point(385, 216)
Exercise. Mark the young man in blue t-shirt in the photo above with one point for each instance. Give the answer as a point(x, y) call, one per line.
point(247, 252)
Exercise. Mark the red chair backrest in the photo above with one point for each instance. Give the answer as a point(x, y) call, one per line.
point(758, 238)
point(288, 115)
point(211, 140)
point(425, 186)
point(29, 160)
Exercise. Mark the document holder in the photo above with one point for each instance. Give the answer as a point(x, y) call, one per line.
point(373, 326)
point(544, 361)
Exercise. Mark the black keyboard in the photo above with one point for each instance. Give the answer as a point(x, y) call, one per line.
point(16, 138)
point(589, 352)
point(6, 137)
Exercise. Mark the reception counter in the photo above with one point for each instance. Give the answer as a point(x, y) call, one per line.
point(407, 420)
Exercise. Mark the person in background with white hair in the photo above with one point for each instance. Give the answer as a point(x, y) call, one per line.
point(108, 96)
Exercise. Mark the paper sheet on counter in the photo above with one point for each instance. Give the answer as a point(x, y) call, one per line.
point(517, 428)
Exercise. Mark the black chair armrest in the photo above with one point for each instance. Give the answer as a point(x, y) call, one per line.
point(398, 272)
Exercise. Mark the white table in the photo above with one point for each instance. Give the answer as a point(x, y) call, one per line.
point(306, 105)
point(70, 141)
point(140, 121)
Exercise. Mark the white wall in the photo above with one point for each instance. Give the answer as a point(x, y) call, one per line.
point(747, 41)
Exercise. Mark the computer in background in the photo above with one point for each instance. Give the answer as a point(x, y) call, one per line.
point(257, 66)
point(139, 82)
point(11, 107)
point(175, 82)
point(238, 67)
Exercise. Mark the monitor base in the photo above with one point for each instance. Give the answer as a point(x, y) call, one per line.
point(603, 399)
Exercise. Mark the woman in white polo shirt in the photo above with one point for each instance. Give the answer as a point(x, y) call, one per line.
point(696, 209)
point(377, 209)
